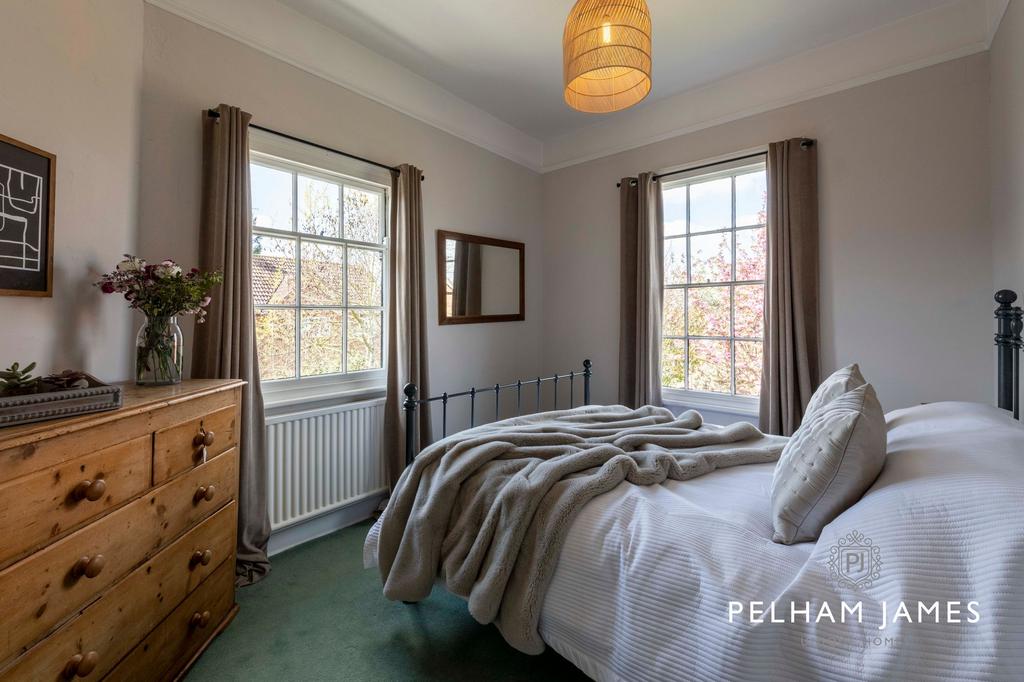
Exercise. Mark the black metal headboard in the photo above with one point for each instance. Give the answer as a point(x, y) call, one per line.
point(412, 402)
point(1009, 321)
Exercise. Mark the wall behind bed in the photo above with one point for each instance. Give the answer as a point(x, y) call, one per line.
point(187, 68)
point(1007, 86)
point(906, 256)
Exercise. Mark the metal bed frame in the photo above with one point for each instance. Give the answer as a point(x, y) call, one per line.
point(411, 402)
point(1009, 322)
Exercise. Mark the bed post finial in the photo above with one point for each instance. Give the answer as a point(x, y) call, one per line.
point(587, 365)
point(1009, 320)
point(410, 422)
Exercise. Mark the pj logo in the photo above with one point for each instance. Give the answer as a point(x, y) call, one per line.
point(854, 561)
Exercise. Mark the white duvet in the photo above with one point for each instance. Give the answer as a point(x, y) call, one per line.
point(648, 575)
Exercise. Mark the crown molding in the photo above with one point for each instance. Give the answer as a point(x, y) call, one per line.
point(947, 32)
point(287, 35)
point(995, 9)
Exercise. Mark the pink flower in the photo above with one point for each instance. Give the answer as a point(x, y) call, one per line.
point(205, 302)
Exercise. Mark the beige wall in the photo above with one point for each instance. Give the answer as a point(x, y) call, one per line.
point(906, 255)
point(70, 78)
point(1007, 115)
point(188, 69)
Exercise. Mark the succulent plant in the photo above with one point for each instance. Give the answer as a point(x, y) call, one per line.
point(15, 379)
point(67, 380)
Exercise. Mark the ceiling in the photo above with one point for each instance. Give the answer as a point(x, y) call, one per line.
point(506, 57)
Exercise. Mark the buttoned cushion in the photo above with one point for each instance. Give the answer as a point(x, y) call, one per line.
point(841, 381)
point(835, 455)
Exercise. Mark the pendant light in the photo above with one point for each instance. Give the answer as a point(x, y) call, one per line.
point(606, 55)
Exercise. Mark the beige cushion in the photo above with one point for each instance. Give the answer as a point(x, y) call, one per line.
point(835, 455)
point(841, 381)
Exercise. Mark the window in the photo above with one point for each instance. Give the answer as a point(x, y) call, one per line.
point(715, 257)
point(318, 273)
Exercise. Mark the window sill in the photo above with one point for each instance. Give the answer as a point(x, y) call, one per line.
point(276, 397)
point(732, 404)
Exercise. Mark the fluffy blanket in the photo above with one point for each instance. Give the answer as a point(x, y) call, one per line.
point(487, 509)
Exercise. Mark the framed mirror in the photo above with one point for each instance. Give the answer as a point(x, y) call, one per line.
point(479, 279)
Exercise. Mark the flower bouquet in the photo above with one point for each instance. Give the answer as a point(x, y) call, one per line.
point(161, 291)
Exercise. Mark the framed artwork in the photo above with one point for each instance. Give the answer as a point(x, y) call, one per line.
point(27, 183)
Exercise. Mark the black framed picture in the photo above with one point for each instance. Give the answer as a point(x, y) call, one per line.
point(27, 182)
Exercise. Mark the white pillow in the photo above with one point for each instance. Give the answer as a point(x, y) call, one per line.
point(835, 455)
point(841, 381)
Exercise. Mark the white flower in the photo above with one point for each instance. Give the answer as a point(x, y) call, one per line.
point(131, 264)
point(167, 269)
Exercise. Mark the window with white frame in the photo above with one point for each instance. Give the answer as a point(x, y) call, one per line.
point(715, 255)
point(318, 273)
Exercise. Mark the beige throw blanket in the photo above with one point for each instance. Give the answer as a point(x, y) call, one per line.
point(487, 509)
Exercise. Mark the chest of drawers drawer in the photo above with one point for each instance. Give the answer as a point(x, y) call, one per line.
point(41, 506)
point(178, 639)
point(42, 590)
point(92, 643)
point(191, 442)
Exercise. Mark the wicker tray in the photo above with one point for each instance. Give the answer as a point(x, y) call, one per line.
point(36, 407)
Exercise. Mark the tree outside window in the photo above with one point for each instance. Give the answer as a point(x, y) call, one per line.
point(715, 254)
point(317, 271)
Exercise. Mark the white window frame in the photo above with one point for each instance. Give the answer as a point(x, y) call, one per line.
point(725, 402)
point(296, 158)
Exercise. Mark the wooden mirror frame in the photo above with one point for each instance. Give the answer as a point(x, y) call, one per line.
point(442, 308)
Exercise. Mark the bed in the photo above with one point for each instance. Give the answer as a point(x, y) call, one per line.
point(674, 581)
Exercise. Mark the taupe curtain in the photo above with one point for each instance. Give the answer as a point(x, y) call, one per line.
point(467, 287)
point(225, 345)
point(407, 317)
point(790, 372)
point(642, 231)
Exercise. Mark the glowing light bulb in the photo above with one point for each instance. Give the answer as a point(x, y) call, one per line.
point(606, 30)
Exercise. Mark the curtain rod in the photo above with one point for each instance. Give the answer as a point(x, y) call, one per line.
point(710, 165)
point(213, 113)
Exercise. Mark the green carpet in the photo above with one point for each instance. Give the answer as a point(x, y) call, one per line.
point(321, 616)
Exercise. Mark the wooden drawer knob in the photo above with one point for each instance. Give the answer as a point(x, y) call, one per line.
point(90, 567)
point(90, 490)
point(201, 557)
point(199, 620)
point(204, 438)
point(80, 665)
point(204, 492)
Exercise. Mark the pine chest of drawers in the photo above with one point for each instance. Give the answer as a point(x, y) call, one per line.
point(117, 536)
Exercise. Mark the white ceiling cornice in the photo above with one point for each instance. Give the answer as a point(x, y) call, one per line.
point(995, 9)
point(954, 30)
point(946, 32)
point(281, 32)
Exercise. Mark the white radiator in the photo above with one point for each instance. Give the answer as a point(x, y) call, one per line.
point(324, 459)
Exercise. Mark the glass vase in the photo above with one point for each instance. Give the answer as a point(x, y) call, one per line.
point(159, 349)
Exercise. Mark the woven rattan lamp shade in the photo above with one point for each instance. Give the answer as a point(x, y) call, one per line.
point(606, 55)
